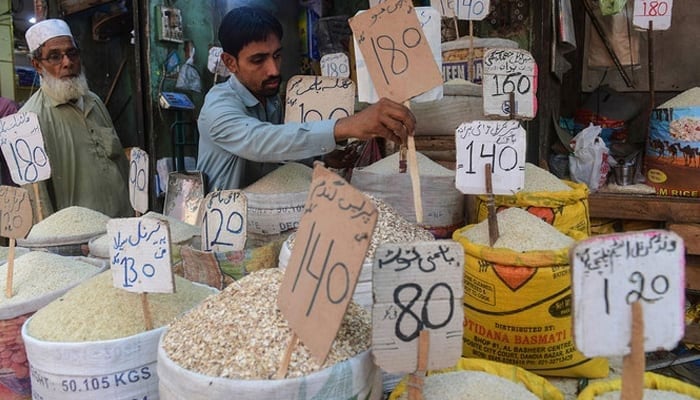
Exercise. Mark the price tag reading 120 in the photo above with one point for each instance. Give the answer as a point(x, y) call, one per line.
point(334, 233)
point(509, 71)
point(610, 272)
point(138, 180)
point(417, 286)
point(499, 143)
point(139, 255)
point(316, 98)
point(23, 147)
point(658, 12)
point(224, 221)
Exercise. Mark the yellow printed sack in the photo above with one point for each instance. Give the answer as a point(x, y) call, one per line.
point(651, 381)
point(517, 310)
point(565, 210)
point(537, 385)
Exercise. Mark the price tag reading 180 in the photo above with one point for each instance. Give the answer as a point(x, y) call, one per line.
point(23, 147)
point(499, 143)
point(417, 286)
point(140, 255)
point(316, 98)
point(335, 65)
point(509, 71)
point(224, 221)
point(656, 11)
point(610, 272)
point(138, 180)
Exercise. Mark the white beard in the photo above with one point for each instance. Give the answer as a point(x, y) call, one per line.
point(64, 90)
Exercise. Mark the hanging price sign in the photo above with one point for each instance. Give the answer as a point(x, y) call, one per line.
point(23, 147)
point(140, 255)
point(224, 221)
point(335, 65)
point(138, 180)
point(509, 71)
point(316, 98)
point(471, 9)
point(395, 50)
point(610, 272)
point(499, 143)
point(657, 12)
point(325, 263)
point(417, 286)
point(15, 212)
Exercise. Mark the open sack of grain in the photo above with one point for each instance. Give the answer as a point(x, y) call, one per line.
point(230, 346)
point(517, 297)
point(67, 231)
point(562, 204)
point(443, 204)
point(276, 202)
point(38, 279)
point(102, 329)
point(656, 387)
point(475, 379)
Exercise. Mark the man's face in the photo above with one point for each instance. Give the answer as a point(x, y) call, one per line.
point(59, 47)
point(257, 66)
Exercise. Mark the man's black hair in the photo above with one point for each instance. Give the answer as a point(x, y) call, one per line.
point(244, 25)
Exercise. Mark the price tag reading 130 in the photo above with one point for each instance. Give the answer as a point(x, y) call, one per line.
point(499, 143)
point(140, 255)
point(656, 11)
point(417, 286)
point(224, 221)
point(610, 272)
point(509, 71)
point(23, 147)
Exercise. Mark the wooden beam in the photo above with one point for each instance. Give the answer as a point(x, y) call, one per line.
point(690, 234)
point(644, 207)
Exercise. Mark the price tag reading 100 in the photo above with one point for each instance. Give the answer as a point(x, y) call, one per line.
point(417, 286)
point(316, 98)
point(23, 147)
point(499, 143)
point(610, 272)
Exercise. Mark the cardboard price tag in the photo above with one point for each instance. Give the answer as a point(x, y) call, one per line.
point(325, 262)
point(658, 12)
point(474, 10)
point(316, 98)
point(335, 65)
point(138, 180)
point(610, 272)
point(499, 143)
point(23, 147)
point(417, 286)
point(15, 212)
point(509, 71)
point(140, 255)
point(224, 221)
point(395, 50)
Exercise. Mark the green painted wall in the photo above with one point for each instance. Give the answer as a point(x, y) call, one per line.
point(7, 71)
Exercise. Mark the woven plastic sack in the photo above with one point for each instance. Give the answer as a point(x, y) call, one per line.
point(517, 310)
point(651, 381)
point(539, 386)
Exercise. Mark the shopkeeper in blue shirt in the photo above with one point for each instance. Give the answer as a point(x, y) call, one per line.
point(242, 136)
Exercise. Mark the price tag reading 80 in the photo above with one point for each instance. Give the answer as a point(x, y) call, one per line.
point(23, 147)
point(472, 9)
point(224, 221)
point(316, 98)
point(417, 286)
point(657, 11)
point(499, 143)
point(610, 272)
point(335, 65)
point(138, 180)
point(509, 71)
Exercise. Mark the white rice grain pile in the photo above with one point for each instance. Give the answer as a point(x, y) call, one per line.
point(96, 310)
point(426, 167)
point(541, 180)
point(471, 385)
point(289, 178)
point(69, 222)
point(689, 98)
point(519, 231)
point(38, 273)
point(649, 394)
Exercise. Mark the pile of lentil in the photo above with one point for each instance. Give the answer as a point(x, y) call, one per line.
point(38, 273)
point(96, 310)
point(289, 178)
point(519, 231)
point(649, 394)
point(69, 222)
point(471, 385)
point(241, 334)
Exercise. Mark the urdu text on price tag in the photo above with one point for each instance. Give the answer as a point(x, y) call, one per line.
point(316, 98)
point(509, 71)
point(610, 272)
point(22, 145)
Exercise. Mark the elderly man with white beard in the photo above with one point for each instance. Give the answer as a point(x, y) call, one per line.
point(88, 164)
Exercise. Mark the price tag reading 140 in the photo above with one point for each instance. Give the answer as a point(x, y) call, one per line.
point(610, 272)
point(499, 143)
point(417, 286)
point(224, 221)
point(23, 147)
point(472, 9)
point(140, 255)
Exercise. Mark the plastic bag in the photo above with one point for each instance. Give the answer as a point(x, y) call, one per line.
point(589, 162)
point(215, 65)
point(188, 77)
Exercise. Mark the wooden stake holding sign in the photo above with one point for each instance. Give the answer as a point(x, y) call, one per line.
point(138, 180)
point(140, 258)
point(22, 145)
point(399, 61)
point(325, 262)
point(417, 315)
point(619, 281)
point(15, 222)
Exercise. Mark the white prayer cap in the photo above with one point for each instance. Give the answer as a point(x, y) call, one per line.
point(47, 29)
